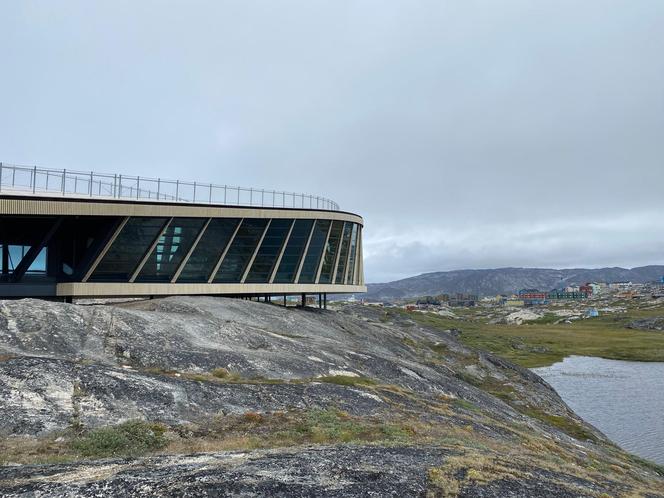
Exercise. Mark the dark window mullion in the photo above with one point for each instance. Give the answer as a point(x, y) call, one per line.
point(253, 256)
point(322, 257)
point(273, 273)
point(337, 256)
point(191, 251)
point(149, 251)
point(105, 249)
point(225, 251)
point(304, 254)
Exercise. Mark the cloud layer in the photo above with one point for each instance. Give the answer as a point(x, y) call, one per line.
point(467, 133)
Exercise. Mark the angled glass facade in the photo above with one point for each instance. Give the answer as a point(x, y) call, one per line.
point(128, 248)
point(297, 243)
point(241, 250)
point(156, 250)
point(172, 246)
point(330, 254)
point(343, 254)
point(350, 274)
point(266, 258)
point(309, 270)
point(208, 251)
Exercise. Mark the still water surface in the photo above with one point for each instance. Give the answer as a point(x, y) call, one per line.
point(623, 399)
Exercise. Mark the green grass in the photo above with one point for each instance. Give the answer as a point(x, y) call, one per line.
point(334, 426)
point(129, 439)
point(466, 405)
point(565, 424)
point(544, 343)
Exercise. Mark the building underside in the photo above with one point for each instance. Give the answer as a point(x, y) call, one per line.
point(63, 247)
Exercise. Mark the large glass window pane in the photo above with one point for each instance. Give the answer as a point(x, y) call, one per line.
point(343, 253)
point(330, 254)
point(172, 247)
point(129, 247)
point(241, 250)
point(267, 255)
point(311, 260)
point(16, 255)
point(290, 261)
point(202, 261)
point(350, 278)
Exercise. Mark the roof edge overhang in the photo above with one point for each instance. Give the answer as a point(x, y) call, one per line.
point(99, 289)
point(48, 205)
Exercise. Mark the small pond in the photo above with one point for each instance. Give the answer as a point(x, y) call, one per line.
point(623, 399)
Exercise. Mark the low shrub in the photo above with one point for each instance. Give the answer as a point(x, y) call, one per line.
point(131, 438)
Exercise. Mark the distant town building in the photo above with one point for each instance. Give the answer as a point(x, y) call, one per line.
point(620, 286)
point(532, 297)
point(564, 294)
point(597, 288)
point(460, 299)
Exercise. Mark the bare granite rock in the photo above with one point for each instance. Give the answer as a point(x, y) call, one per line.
point(188, 360)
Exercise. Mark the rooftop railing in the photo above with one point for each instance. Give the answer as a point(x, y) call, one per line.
point(67, 183)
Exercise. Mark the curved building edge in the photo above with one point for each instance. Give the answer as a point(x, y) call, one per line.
point(77, 247)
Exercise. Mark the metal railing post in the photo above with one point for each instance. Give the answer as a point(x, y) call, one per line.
point(115, 189)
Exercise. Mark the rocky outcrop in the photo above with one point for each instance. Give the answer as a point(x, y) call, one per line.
point(655, 323)
point(438, 417)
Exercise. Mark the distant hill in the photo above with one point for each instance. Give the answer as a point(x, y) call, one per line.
point(506, 280)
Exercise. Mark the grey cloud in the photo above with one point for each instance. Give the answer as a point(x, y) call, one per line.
point(454, 127)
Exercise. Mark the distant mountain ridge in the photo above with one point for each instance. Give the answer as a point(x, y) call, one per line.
point(506, 280)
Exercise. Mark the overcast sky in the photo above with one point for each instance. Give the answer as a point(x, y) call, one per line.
point(468, 134)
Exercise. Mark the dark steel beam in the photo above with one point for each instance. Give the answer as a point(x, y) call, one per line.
point(34, 251)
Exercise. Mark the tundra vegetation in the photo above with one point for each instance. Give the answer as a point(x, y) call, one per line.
point(549, 339)
point(196, 396)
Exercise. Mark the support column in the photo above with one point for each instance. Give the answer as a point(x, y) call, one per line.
point(304, 300)
point(5, 258)
point(325, 300)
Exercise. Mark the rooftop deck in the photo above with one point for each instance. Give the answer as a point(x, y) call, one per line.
point(32, 180)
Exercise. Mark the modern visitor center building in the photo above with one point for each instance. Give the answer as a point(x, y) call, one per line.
point(66, 234)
